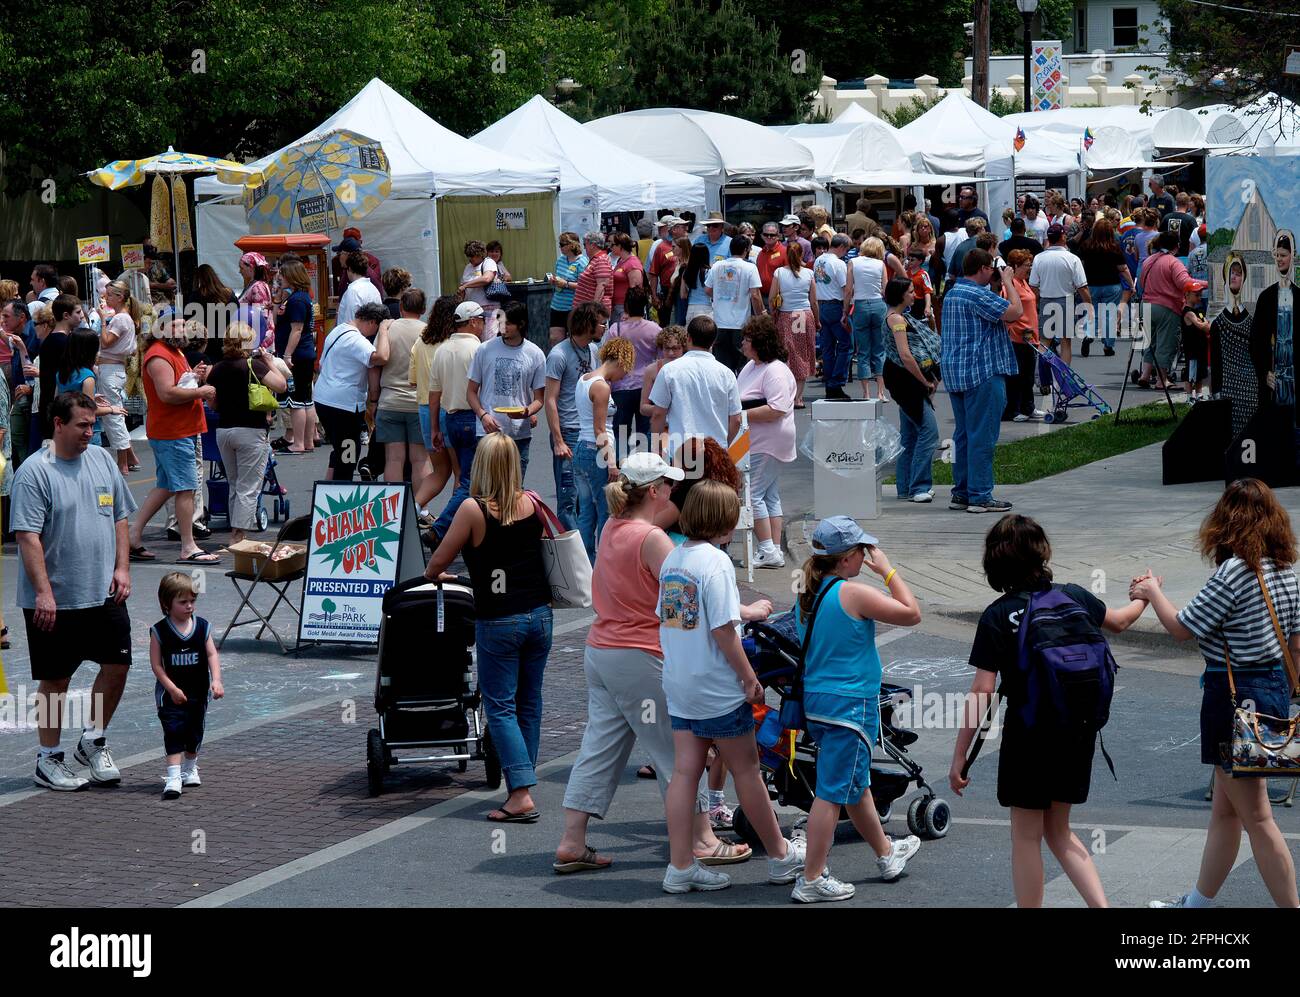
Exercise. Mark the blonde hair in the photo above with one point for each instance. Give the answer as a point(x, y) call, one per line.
point(239, 341)
point(814, 572)
point(712, 508)
point(295, 275)
point(620, 350)
point(39, 311)
point(496, 477)
point(622, 496)
point(8, 291)
point(130, 304)
point(174, 584)
point(874, 248)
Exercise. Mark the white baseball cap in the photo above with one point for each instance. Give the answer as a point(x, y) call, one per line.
point(643, 467)
point(790, 220)
point(467, 310)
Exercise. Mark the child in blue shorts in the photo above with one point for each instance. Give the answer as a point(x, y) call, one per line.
point(842, 696)
point(182, 655)
point(710, 688)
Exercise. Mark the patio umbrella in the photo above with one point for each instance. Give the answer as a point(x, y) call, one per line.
point(322, 184)
point(172, 164)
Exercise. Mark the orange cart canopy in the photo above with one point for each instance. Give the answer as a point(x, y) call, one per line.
point(282, 243)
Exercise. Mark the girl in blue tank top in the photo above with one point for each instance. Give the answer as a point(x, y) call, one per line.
point(841, 694)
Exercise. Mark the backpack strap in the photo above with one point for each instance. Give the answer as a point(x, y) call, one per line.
point(812, 618)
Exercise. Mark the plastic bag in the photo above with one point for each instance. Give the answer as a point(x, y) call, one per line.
point(846, 444)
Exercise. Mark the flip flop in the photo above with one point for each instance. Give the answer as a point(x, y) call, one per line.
point(587, 863)
point(647, 772)
point(142, 553)
point(200, 557)
point(528, 817)
point(725, 853)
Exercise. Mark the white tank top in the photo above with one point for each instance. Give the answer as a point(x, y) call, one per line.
point(868, 278)
point(586, 413)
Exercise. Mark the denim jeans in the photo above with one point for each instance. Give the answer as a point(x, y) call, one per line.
point(592, 511)
point(629, 421)
point(915, 467)
point(566, 489)
point(511, 655)
point(836, 344)
point(523, 447)
point(1105, 300)
point(978, 417)
point(869, 337)
point(461, 430)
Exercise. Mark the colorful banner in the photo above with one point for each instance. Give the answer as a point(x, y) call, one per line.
point(364, 539)
point(1045, 84)
point(92, 250)
point(132, 256)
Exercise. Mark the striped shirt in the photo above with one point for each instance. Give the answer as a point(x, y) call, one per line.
point(976, 345)
point(1230, 607)
point(570, 271)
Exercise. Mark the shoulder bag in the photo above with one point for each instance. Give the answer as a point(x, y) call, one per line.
point(260, 397)
point(564, 557)
point(1263, 745)
point(496, 289)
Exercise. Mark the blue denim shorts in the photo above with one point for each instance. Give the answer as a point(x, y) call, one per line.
point(843, 752)
point(175, 470)
point(737, 723)
point(426, 426)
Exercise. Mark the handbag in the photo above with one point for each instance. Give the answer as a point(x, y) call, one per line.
point(496, 290)
point(1264, 745)
point(260, 397)
point(564, 557)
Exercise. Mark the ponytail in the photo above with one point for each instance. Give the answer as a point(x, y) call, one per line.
point(622, 496)
point(814, 572)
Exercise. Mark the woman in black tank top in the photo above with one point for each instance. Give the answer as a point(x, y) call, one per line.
point(500, 535)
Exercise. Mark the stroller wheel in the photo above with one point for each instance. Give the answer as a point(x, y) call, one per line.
point(491, 763)
point(936, 816)
point(1061, 415)
point(885, 812)
point(463, 764)
point(374, 762)
point(914, 822)
point(745, 830)
point(262, 518)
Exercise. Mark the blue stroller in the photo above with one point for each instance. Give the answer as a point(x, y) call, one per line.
point(219, 484)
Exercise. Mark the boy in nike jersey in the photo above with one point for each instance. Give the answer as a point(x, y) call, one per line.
point(182, 655)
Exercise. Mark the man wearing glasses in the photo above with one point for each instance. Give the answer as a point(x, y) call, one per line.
point(968, 207)
point(771, 257)
point(977, 356)
point(663, 264)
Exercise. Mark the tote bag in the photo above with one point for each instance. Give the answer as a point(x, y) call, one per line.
point(564, 557)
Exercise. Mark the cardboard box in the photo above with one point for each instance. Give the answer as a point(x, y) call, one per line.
point(251, 554)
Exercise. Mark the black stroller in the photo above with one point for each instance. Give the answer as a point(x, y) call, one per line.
point(789, 759)
point(424, 691)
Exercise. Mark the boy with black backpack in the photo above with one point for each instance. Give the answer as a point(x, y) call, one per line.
point(1058, 677)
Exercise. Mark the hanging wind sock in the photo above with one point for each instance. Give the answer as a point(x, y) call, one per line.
point(184, 238)
point(1019, 141)
point(160, 228)
point(1088, 139)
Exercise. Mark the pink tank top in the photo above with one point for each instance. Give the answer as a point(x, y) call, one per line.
point(626, 601)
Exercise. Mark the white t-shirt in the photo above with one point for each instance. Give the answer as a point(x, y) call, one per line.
point(732, 280)
point(794, 288)
point(344, 368)
point(359, 292)
point(508, 375)
point(1036, 228)
point(700, 395)
point(868, 278)
point(479, 293)
point(697, 594)
point(1057, 273)
point(831, 273)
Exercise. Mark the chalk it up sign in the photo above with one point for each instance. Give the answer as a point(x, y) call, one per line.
point(512, 218)
point(92, 250)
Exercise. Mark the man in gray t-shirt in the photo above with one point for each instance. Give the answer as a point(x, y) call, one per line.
point(568, 360)
point(70, 511)
point(508, 372)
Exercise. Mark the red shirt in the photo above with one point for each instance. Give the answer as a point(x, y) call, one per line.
point(165, 421)
point(662, 265)
point(597, 270)
point(620, 271)
point(769, 262)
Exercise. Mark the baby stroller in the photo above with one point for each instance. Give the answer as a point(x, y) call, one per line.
point(219, 484)
point(789, 758)
point(424, 691)
point(1067, 388)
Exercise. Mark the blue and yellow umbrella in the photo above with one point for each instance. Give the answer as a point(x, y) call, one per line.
point(322, 184)
point(132, 172)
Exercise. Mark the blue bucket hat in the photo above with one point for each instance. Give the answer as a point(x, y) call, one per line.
point(838, 534)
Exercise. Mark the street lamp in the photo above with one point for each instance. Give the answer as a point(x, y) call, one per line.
point(1027, 8)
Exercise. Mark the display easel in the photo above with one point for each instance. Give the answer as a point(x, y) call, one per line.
point(1128, 372)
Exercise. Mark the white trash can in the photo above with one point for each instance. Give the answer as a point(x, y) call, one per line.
point(844, 466)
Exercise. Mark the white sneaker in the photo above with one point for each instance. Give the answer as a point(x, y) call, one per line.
point(826, 888)
point(697, 877)
point(773, 559)
point(53, 773)
point(891, 865)
point(790, 868)
point(1021, 417)
point(721, 817)
point(96, 756)
point(171, 787)
point(1180, 902)
point(190, 778)
point(925, 496)
point(1037, 415)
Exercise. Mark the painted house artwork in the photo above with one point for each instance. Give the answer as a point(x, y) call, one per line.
point(1249, 198)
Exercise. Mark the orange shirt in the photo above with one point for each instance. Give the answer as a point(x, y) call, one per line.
point(769, 262)
point(1027, 323)
point(163, 421)
point(625, 598)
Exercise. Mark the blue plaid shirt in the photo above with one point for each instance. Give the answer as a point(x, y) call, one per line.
point(976, 344)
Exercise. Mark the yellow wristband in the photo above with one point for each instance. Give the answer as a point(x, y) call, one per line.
point(892, 573)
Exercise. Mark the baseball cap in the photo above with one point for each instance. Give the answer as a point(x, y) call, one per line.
point(1192, 284)
point(790, 220)
point(467, 310)
point(643, 467)
point(672, 220)
point(1055, 230)
point(352, 233)
point(838, 534)
point(348, 245)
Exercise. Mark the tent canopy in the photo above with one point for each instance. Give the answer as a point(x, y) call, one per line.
point(855, 113)
point(1115, 149)
point(718, 148)
point(863, 153)
point(1066, 125)
point(952, 135)
point(595, 175)
point(425, 158)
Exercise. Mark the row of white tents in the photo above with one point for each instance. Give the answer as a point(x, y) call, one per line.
point(686, 159)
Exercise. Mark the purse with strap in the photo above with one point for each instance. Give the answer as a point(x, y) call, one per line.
point(1293, 679)
point(496, 289)
point(564, 557)
point(260, 397)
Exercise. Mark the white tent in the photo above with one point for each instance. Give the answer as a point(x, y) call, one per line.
point(854, 113)
point(863, 153)
point(595, 175)
point(427, 161)
point(1269, 126)
point(718, 148)
point(1066, 125)
point(1115, 150)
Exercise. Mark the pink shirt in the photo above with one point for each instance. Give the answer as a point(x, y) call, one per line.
point(1162, 278)
point(773, 382)
point(620, 271)
point(643, 333)
point(626, 602)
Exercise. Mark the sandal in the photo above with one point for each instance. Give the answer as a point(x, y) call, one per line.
point(647, 772)
point(200, 556)
point(725, 853)
point(4, 639)
point(590, 862)
point(142, 553)
point(510, 817)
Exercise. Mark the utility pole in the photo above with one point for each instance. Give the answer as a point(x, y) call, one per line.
point(980, 56)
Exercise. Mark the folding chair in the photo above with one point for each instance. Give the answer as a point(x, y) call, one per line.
point(294, 531)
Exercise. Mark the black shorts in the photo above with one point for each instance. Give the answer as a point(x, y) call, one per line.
point(303, 372)
point(1032, 775)
point(101, 634)
point(182, 725)
point(559, 320)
